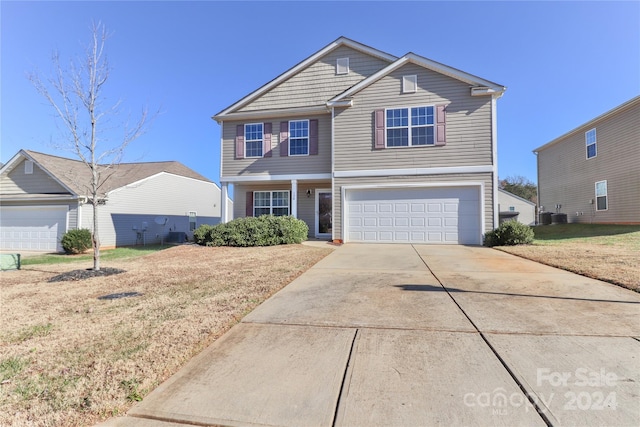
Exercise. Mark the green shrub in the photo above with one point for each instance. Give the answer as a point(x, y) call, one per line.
point(509, 233)
point(76, 241)
point(265, 230)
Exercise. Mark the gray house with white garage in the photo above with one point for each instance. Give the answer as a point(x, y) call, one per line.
point(365, 146)
point(42, 196)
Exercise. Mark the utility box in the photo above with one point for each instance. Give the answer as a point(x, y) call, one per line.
point(9, 262)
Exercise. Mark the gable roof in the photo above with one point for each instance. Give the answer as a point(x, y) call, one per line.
point(522, 199)
point(623, 106)
point(483, 86)
point(341, 41)
point(72, 173)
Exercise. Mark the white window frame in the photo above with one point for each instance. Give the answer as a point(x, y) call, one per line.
point(590, 143)
point(308, 137)
point(410, 83)
point(271, 207)
point(28, 167)
point(410, 127)
point(342, 66)
point(247, 141)
point(605, 195)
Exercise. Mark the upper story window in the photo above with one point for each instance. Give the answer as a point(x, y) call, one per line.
point(299, 137)
point(342, 66)
point(590, 139)
point(410, 126)
point(271, 203)
point(601, 196)
point(28, 167)
point(253, 139)
point(409, 84)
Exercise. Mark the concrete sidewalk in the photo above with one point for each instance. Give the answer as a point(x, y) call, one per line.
point(402, 335)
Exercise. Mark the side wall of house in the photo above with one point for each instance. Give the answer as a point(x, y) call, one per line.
point(567, 178)
point(526, 210)
point(163, 195)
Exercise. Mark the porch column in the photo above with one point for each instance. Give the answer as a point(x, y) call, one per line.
point(294, 198)
point(224, 217)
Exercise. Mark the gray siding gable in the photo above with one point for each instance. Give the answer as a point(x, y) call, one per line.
point(16, 181)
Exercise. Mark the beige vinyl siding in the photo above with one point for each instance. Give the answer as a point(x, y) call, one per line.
point(39, 182)
point(165, 195)
point(277, 165)
point(485, 178)
point(468, 124)
point(318, 83)
point(567, 177)
point(306, 205)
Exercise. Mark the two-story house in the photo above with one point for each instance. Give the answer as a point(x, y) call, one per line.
point(592, 173)
point(365, 146)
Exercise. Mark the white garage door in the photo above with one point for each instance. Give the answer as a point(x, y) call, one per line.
point(33, 228)
point(447, 215)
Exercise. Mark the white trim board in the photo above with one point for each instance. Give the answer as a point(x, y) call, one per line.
point(264, 178)
point(414, 171)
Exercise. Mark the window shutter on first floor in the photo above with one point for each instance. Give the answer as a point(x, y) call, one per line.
point(240, 142)
point(249, 202)
point(379, 129)
point(313, 137)
point(284, 139)
point(266, 149)
point(441, 125)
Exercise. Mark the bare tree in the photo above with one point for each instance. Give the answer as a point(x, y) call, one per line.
point(76, 94)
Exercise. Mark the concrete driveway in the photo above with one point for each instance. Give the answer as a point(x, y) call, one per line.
point(404, 335)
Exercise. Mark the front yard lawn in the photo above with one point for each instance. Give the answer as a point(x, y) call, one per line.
point(68, 357)
point(605, 252)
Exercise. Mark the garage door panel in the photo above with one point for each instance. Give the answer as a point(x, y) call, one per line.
point(33, 227)
point(420, 215)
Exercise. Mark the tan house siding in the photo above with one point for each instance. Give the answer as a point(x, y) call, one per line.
point(485, 178)
point(18, 182)
point(319, 82)
point(566, 177)
point(468, 124)
point(277, 165)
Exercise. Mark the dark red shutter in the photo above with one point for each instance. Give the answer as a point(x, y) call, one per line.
point(266, 135)
point(441, 125)
point(313, 137)
point(379, 130)
point(249, 210)
point(240, 142)
point(284, 139)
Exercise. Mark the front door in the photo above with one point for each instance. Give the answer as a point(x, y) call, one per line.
point(324, 205)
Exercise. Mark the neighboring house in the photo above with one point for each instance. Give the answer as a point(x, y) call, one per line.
point(365, 146)
point(42, 196)
point(512, 207)
point(592, 173)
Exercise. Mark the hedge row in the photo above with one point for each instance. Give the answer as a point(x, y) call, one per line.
point(509, 233)
point(265, 230)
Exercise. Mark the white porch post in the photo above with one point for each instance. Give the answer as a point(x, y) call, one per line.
point(224, 217)
point(294, 198)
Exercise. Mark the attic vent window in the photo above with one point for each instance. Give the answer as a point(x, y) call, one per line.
point(342, 66)
point(409, 84)
point(28, 167)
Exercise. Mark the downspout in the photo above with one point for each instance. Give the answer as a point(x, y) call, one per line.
point(494, 143)
point(333, 216)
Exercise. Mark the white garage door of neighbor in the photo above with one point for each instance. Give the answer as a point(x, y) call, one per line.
point(446, 215)
point(33, 228)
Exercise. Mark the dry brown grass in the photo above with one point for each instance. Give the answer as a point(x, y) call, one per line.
point(617, 264)
point(67, 358)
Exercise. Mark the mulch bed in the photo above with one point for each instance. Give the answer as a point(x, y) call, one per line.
point(76, 275)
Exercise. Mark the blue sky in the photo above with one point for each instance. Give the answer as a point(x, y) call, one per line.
point(563, 62)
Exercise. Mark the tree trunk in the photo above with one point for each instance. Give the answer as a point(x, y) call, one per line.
point(95, 237)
